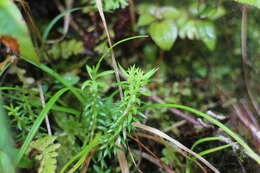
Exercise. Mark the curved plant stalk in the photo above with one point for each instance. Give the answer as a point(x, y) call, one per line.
point(54, 74)
point(67, 19)
point(114, 63)
point(122, 159)
point(59, 77)
point(211, 150)
point(162, 142)
point(218, 123)
point(175, 142)
point(82, 154)
point(55, 20)
point(245, 60)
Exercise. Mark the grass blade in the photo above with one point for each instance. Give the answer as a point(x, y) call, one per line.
point(216, 122)
point(84, 152)
point(208, 151)
point(206, 140)
point(175, 142)
point(37, 124)
point(55, 20)
point(60, 79)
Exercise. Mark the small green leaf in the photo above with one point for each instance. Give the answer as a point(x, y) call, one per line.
point(105, 73)
point(145, 19)
point(90, 71)
point(71, 78)
point(123, 71)
point(13, 25)
point(207, 33)
point(170, 13)
point(213, 13)
point(146, 8)
point(255, 3)
point(164, 33)
point(149, 74)
point(188, 29)
point(146, 93)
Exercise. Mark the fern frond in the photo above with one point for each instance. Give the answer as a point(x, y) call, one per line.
point(65, 49)
point(47, 154)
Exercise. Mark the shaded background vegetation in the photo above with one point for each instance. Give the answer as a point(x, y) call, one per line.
point(199, 64)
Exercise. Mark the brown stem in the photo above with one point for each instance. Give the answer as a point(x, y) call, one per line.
point(68, 20)
point(176, 111)
point(152, 160)
point(245, 61)
point(132, 13)
point(159, 161)
point(114, 63)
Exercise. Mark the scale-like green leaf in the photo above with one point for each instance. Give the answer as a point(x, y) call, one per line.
point(164, 33)
point(13, 25)
point(255, 3)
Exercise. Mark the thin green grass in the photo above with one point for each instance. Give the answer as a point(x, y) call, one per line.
point(208, 151)
point(38, 123)
point(207, 139)
point(77, 92)
point(37, 103)
point(17, 89)
point(82, 154)
point(74, 90)
point(238, 139)
point(55, 20)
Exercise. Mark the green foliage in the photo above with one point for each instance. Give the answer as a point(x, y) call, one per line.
point(21, 113)
point(208, 151)
point(235, 136)
point(92, 119)
point(37, 123)
point(6, 165)
point(66, 49)
point(104, 116)
point(113, 118)
point(114, 4)
point(170, 157)
point(54, 21)
point(81, 156)
point(255, 3)
point(163, 33)
point(194, 23)
point(47, 153)
point(108, 5)
point(7, 151)
point(20, 120)
point(13, 25)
